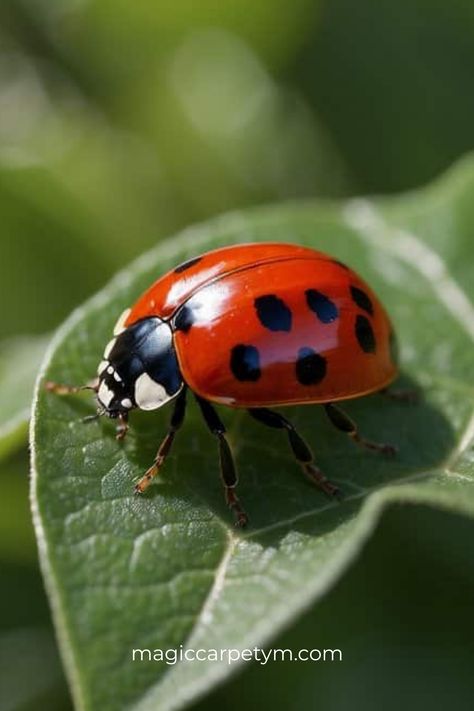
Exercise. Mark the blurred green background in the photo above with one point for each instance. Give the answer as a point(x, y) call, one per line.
point(121, 122)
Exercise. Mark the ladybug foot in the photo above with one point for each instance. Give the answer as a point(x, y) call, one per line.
point(142, 485)
point(241, 518)
point(121, 432)
point(388, 449)
point(317, 478)
point(122, 427)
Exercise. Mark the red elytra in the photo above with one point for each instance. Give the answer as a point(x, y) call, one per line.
point(249, 326)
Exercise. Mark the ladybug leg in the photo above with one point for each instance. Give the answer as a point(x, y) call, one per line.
point(409, 395)
point(300, 449)
point(122, 427)
point(344, 423)
point(226, 460)
point(176, 421)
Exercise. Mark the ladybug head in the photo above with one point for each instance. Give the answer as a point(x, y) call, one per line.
point(139, 369)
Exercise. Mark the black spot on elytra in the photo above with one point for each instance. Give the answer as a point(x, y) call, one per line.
point(325, 309)
point(245, 362)
point(365, 334)
point(184, 319)
point(393, 346)
point(362, 300)
point(273, 313)
point(187, 265)
point(310, 366)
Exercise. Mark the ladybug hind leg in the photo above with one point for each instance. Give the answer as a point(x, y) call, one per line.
point(177, 419)
point(345, 424)
point(300, 449)
point(226, 460)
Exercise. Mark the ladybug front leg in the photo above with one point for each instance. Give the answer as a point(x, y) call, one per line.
point(300, 449)
point(226, 460)
point(122, 427)
point(344, 423)
point(177, 419)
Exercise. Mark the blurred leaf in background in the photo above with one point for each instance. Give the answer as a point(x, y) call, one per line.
point(390, 81)
point(114, 149)
point(20, 359)
point(121, 122)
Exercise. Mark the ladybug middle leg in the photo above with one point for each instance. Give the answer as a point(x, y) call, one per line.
point(300, 449)
point(344, 423)
point(176, 421)
point(227, 466)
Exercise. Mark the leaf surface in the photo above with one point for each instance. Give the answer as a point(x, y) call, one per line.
point(169, 569)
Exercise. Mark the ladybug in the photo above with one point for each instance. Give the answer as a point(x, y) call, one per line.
point(249, 326)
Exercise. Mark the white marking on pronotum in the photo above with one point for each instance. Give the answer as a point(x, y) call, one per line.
point(105, 394)
point(120, 325)
point(126, 402)
point(110, 370)
point(148, 394)
point(109, 347)
point(102, 366)
point(117, 377)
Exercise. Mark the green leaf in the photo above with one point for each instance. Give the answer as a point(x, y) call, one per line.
point(169, 569)
point(394, 599)
point(20, 360)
